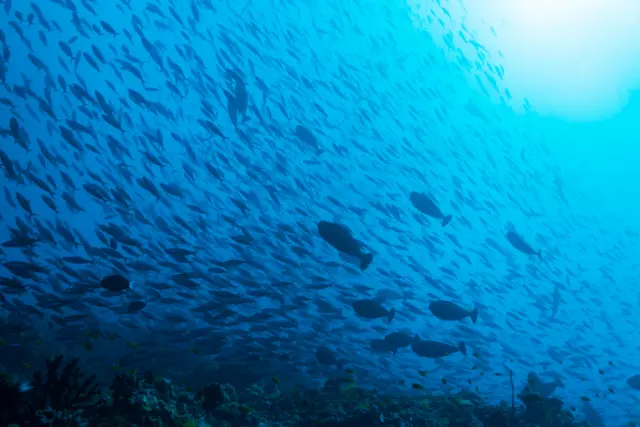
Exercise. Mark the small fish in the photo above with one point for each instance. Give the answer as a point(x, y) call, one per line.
point(136, 306)
point(305, 135)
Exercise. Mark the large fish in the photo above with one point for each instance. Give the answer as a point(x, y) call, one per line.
point(398, 340)
point(536, 386)
point(115, 283)
point(372, 309)
point(435, 349)
point(634, 382)
point(424, 204)
point(520, 244)
point(446, 310)
point(340, 238)
point(326, 356)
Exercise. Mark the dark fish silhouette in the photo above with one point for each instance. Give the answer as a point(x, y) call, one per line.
point(325, 356)
point(536, 386)
point(381, 346)
point(435, 349)
point(398, 340)
point(306, 136)
point(340, 238)
point(372, 309)
point(634, 382)
point(520, 244)
point(115, 283)
point(136, 306)
point(446, 310)
point(424, 204)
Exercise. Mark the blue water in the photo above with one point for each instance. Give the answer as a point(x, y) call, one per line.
point(400, 99)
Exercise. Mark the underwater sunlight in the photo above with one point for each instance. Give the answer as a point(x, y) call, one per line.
point(322, 213)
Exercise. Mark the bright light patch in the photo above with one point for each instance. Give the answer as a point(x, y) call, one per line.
point(573, 58)
point(577, 59)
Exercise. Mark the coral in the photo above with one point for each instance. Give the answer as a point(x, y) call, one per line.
point(63, 388)
point(12, 401)
point(542, 411)
point(63, 396)
point(123, 387)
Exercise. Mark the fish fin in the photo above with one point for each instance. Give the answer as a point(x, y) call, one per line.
point(474, 315)
point(446, 220)
point(391, 315)
point(463, 348)
point(365, 260)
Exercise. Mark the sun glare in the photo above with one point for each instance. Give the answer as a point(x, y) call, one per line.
point(577, 59)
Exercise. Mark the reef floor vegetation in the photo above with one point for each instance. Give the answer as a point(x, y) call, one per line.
point(62, 395)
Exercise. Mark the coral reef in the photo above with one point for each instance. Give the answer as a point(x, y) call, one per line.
point(62, 395)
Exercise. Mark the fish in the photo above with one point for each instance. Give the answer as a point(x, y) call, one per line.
point(521, 245)
point(536, 386)
point(115, 283)
point(398, 340)
point(340, 238)
point(634, 382)
point(326, 356)
point(592, 416)
point(305, 135)
point(136, 306)
point(436, 349)
point(372, 309)
point(447, 310)
point(425, 205)
point(381, 346)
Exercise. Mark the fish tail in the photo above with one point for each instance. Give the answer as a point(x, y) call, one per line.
point(446, 219)
point(391, 315)
point(474, 315)
point(463, 348)
point(365, 260)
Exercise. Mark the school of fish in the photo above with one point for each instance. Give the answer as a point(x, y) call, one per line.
point(215, 188)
